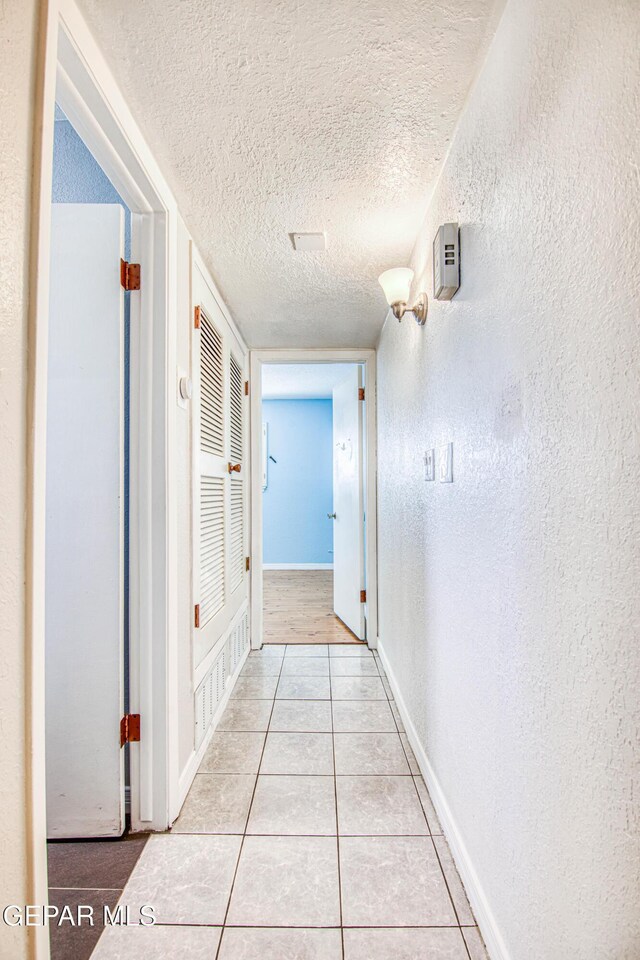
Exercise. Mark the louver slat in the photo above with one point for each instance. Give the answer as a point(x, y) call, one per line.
point(237, 534)
point(211, 388)
point(212, 594)
point(235, 410)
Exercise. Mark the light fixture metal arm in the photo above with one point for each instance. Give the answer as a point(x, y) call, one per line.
point(419, 309)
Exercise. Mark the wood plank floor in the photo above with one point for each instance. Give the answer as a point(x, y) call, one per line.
point(298, 608)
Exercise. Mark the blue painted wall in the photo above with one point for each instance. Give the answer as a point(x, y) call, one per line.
point(299, 494)
point(79, 178)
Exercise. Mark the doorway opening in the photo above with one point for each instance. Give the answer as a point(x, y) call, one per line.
point(312, 544)
point(87, 533)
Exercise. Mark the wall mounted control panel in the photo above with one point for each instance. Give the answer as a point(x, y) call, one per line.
point(446, 261)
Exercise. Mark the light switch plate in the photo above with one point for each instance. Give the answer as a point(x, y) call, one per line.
point(430, 464)
point(446, 463)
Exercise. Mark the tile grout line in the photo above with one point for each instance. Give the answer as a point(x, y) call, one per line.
point(335, 793)
point(455, 911)
point(322, 733)
point(466, 945)
point(87, 889)
point(305, 836)
point(320, 926)
point(244, 835)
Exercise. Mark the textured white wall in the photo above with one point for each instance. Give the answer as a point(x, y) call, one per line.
point(510, 600)
point(17, 73)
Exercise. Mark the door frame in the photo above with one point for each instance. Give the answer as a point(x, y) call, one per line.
point(74, 71)
point(258, 358)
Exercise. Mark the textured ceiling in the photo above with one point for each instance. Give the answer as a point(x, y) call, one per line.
point(302, 381)
point(271, 116)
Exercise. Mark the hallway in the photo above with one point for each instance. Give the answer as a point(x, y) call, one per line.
point(320, 446)
point(308, 832)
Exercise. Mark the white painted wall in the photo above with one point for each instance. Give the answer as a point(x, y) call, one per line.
point(510, 600)
point(18, 27)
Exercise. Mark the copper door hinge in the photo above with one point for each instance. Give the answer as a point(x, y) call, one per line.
point(130, 728)
point(196, 318)
point(247, 563)
point(246, 388)
point(363, 596)
point(360, 393)
point(129, 275)
point(196, 615)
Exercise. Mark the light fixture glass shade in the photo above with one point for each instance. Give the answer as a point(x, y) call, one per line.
point(396, 284)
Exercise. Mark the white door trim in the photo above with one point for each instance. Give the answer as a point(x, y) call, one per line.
point(258, 358)
point(93, 102)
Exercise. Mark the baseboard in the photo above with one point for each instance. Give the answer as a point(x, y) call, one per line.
point(496, 947)
point(193, 763)
point(297, 566)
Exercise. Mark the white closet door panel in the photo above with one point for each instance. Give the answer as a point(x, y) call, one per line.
point(220, 523)
point(348, 526)
point(84, 524)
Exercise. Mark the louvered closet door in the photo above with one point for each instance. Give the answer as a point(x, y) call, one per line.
point(220, 577)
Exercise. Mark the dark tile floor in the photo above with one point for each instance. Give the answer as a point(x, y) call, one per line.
point(92, 873)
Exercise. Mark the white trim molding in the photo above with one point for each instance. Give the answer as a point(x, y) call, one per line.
point(297, 566)
point(485, 918)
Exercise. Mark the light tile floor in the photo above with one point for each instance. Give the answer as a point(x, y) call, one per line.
point(308, 833)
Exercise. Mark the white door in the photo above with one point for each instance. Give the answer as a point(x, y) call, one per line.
point(348, 502)
point(84, 524)
point(220, 578)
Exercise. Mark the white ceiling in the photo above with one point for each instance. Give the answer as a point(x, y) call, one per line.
point(301, 381)
point(273, 116)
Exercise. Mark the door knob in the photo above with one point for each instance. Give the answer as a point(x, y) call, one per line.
point(331, 516)
point(235, 468)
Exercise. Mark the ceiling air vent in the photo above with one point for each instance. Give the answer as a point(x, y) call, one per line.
point(308, 242)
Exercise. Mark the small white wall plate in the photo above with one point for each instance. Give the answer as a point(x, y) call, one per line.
point(445, 474)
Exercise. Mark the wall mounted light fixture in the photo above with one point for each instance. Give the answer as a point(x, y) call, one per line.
point(396, 284)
